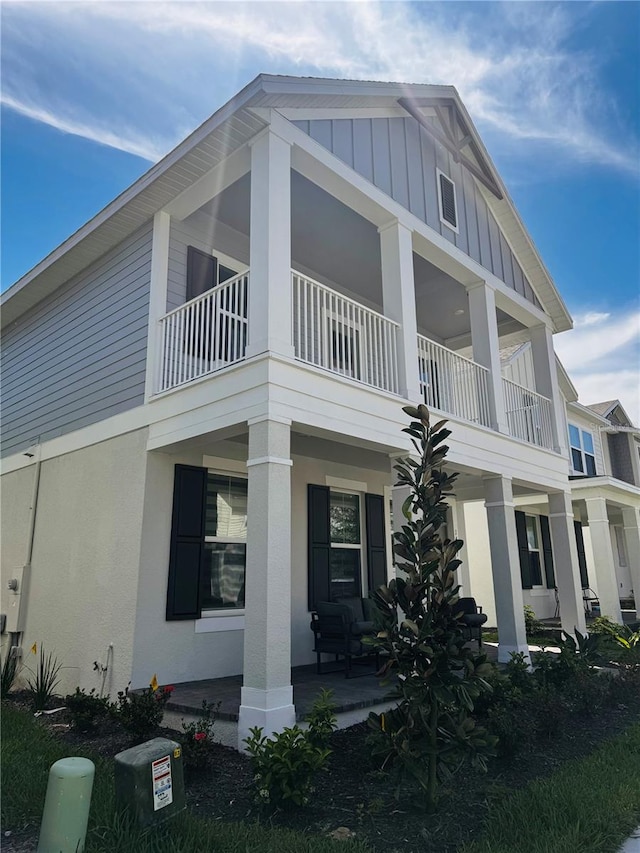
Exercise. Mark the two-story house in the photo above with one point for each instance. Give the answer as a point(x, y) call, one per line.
point(604, 475)
point(203, 388)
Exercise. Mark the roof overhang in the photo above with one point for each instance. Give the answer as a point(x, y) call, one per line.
point(232, 126)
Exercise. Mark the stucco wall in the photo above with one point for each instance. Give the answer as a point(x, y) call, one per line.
point(177, 651)
point(85, 556)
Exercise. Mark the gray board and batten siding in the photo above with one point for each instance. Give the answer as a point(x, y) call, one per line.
point(80, 355)
point(400, 157)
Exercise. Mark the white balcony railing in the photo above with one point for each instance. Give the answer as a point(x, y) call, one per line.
point(528, 414)
point(452, 383)
point(205, 334)
point(340, 335)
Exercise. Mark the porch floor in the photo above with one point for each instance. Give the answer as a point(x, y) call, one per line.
point(349, 694)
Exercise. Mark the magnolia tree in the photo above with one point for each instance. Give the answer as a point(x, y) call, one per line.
point(431, 732)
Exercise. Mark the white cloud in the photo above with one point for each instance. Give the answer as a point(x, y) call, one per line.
point(602, 357)
point(157, 73)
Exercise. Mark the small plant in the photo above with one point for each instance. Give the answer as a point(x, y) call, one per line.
point(141, 713)
point(518, 670)
point(321, 719)
point(86, 709)
point(286, 765)
point(197, 743)
point(604, 625)
point(531, 624)
point(42, 683)
point(8, 672)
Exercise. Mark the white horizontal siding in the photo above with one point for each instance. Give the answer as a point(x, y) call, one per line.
point(584, 423)
point(80, 355)
point(400, 157)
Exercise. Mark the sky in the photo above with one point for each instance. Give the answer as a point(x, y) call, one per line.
point(94, 93)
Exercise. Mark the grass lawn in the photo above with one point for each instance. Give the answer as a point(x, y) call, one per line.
point(28, 751)
point(586, 806)
point(589, 806)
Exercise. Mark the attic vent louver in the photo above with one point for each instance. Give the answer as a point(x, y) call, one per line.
point(447, 200)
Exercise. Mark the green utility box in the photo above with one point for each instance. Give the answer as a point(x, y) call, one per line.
point(150, 781)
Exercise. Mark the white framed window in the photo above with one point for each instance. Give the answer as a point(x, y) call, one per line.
point(621, 546)
point(535, 556)
point(583, 459)
point(345, 530)
point(225, 543)
point(447, 203)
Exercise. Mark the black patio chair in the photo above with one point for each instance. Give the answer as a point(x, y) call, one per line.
point(339, 628)
point(472, 619)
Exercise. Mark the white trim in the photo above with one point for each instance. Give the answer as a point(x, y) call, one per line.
point(157, 300)
point(439, 174)
point(278, 419)
point(272, 460)
point(208, 624)
point(219, 464)
point(345, 485)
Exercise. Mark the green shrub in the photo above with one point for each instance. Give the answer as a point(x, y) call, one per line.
point(86, 709)
point(197, 743)
point(140, 713)
point(531, 624)
point(602, 625)
point(42, 683)
point(285, 765)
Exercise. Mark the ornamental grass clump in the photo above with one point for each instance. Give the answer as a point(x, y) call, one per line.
point(431, 731)
point(42, 683)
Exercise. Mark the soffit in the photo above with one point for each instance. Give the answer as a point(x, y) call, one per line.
point(228, 129)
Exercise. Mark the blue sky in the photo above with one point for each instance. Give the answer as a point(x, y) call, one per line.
point(94, 93)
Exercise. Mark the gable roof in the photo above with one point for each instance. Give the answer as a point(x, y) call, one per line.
point(233, 125)
point(612, 409)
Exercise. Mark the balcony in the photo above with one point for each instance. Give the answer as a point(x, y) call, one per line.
point(337, 334)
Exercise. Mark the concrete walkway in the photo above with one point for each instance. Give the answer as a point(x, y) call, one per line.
point(632, 845)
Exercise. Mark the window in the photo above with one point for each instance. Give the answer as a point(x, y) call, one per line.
point(346, 548)
point(340, 527)
point(225, 540)
point(533, 542)
point(621, 546)
point(204, 272)
point(345, 344)
point(583, 457)
point(447, 201)
point(535, 550)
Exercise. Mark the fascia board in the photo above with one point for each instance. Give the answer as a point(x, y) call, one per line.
point(12, 295)
point(586, 413)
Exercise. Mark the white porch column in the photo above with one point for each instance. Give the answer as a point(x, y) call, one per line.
point(546, 373)
point(565, 561)
point(631, 521)
point(505, 567)
point(270, 292)
point(267, 695)
point(157, 300)
point(486, 348)
point(603, 558)
point(399, 302)
point(459, 531)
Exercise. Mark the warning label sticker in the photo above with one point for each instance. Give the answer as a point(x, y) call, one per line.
point(162, 786)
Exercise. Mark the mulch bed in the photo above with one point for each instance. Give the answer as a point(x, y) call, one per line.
point(353, 794)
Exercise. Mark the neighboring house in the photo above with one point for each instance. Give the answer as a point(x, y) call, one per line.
point(203, 388)
point(604, 474)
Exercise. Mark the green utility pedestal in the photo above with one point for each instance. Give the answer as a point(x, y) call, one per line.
point(66, 806)
point(149, 781)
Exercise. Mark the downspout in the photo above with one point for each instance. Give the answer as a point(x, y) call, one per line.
point(26, 571)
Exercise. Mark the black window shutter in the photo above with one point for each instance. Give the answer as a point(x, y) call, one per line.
point(448, 198)
point(319, 544)
point(187, 542)
point(201, 272)
point(523, 550)
point(582, 559)
point(547, 551)
point(376, 541)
